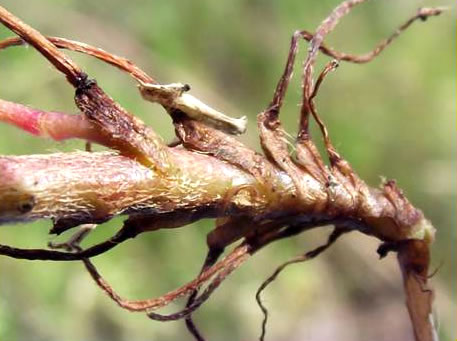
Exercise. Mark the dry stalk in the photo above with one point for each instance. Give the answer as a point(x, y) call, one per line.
point(257, 198)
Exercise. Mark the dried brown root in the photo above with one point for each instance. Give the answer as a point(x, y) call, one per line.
point(220, 270)
point(226, 233)
point(228, 265)
point(317, 40)
point(210, 259)
point(137, 73)
point(322, 31)
point(228, 268)
point(43, 254)
point(422, 14)
point(217, 272)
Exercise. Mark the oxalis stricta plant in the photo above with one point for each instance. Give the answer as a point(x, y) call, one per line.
point(258, 198)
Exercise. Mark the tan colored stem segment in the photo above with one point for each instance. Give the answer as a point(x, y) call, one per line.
point(86, 187)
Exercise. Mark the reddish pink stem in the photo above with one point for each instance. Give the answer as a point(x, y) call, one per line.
point(55, 125)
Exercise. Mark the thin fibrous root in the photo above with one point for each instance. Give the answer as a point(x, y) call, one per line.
point(193, 329)
point(211, 258)
point(422, 14)
point(337, 232)
point(307, 85)
point(43, 254)
point(227, 270)
point(137, 73)
point(221, 269)
point(316, 42)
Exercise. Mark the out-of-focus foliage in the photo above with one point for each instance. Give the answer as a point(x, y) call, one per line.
point(394, 117)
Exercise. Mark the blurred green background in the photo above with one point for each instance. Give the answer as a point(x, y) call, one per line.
point(394, 117)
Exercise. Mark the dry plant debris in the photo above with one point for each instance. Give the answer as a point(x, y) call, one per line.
point(257, 198)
